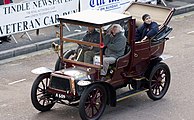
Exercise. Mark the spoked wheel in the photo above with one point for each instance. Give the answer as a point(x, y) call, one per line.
point(159, 81)
point(70, 54)
point(41, 99)
point(93, 102)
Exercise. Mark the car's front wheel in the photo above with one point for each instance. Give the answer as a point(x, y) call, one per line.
point(93, 102)
point(41, 99)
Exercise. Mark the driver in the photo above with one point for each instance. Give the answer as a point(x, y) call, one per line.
point(88, 53)
point(115, 43)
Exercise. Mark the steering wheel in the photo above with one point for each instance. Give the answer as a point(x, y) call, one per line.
point(84, 47)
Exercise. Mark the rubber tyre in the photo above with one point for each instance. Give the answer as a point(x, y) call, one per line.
point(159, 81)
point(59, 64)
point(87, 100)
point(46, 97)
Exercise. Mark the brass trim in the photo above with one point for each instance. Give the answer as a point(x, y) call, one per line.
point(123, 98)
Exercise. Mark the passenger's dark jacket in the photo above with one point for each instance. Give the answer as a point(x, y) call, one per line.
point(148, 30)
point(93, 37)
point(1, 2)
point(115, 45)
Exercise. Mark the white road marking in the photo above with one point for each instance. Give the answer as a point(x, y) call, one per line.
point(16, 81)
point(15, 64)
point(172, 37)
point(164, 57)
point(4, 105)
point(190, 32)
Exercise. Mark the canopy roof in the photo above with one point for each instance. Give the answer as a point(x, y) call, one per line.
point(161, 15)
point(94, 18)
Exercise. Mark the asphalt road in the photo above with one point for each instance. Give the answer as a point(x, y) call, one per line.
point(177, 104)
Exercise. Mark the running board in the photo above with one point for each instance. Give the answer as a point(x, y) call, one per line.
point(128, 94)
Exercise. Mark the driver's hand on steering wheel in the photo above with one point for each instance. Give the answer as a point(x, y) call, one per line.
point(84, 47)
point(90, 48)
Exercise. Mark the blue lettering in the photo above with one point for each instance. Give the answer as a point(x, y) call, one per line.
point(94, 3)
point(113, 1)
point(102, 2)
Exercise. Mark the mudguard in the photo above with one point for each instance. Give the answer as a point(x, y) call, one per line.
point(164, 57)
point(41, 70)
point(156, 61)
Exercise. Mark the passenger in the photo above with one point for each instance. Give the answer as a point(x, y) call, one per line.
point(88, 53)
point(147, 30)
point(115, 43)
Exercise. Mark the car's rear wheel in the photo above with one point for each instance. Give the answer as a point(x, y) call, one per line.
point(93, 102)
point(159, 81)
point(41, 99)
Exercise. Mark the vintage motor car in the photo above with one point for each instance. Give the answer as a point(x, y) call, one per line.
point(80, 84)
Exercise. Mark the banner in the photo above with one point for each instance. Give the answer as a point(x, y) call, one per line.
point(106, 5)
point(35, 14)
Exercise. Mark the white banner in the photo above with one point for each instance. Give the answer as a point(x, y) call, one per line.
point(106, 5)
point(35, 14)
